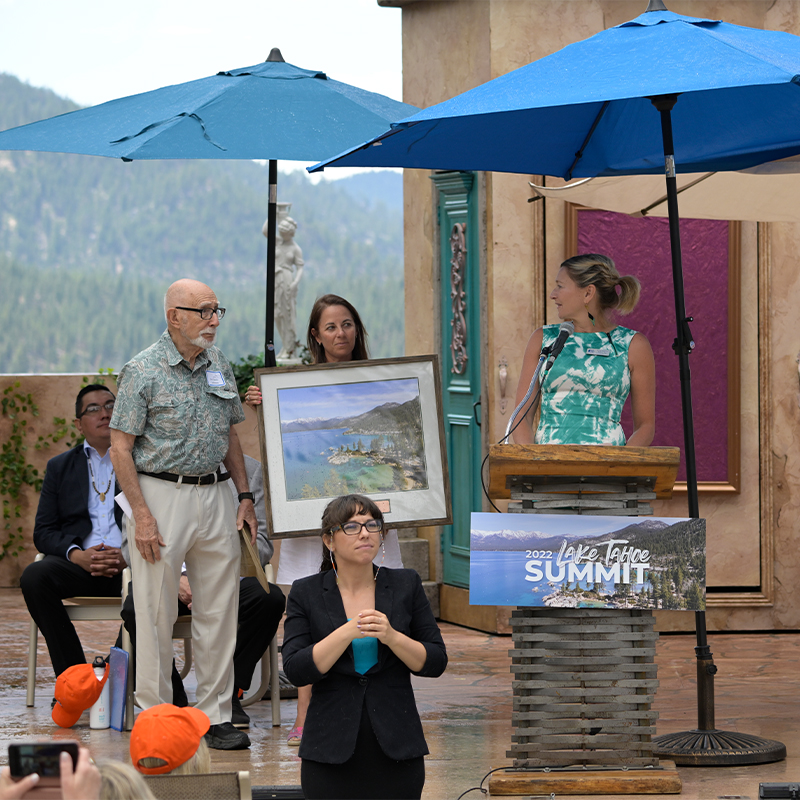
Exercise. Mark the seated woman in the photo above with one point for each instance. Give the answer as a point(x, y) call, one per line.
point(356, 632)
point(601, 363)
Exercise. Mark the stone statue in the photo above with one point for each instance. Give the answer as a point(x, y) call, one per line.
point(288, 272)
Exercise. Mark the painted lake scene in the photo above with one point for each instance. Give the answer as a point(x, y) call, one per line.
point(363, 438)
point(570, 561)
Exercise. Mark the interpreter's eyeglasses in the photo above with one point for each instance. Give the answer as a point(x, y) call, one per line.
point(353, 528)
point(205, 313)
point(95, 409)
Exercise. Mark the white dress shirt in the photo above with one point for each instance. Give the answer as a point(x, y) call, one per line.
point(101, 512)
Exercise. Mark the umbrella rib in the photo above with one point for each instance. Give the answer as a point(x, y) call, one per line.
point(663, 199)
point(536, 187)
point(579, 154)
point(164, 122)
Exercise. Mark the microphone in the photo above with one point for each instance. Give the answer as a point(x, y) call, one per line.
point(567, 328)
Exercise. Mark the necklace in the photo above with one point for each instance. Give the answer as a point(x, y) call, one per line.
point(111, 478)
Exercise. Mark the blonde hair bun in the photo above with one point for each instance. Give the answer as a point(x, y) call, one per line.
point(594, 269)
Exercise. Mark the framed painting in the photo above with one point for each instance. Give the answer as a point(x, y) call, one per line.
point(367, 427)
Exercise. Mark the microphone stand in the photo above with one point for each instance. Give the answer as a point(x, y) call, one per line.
point(534, 384)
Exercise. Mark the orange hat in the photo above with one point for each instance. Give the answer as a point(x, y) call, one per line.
point(167, 732)
point(77, 689)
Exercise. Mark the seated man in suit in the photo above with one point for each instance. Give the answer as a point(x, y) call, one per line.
point(76, 530)
point(259, 613)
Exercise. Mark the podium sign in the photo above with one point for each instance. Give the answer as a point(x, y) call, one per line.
point(574, 561)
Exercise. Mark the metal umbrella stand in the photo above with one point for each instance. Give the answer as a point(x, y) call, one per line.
point(705, 745)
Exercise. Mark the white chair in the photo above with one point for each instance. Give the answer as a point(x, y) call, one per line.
point(78, 609)
point(183, 630)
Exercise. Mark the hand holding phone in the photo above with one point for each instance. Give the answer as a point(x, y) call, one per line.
point(34, 769)
point(84, 782)
point(13, 789)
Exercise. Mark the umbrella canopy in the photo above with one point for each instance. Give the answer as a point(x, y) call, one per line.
point(268, 111)
point(766, 193)
point(585, 110)
point(272, 110)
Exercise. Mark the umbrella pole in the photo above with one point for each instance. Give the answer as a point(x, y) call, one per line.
point(272, 215)
point(704, 746)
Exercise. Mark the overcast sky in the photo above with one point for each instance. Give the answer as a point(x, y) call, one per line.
point(91, 51)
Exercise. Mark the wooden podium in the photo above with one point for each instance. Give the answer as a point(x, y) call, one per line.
point(584, 679)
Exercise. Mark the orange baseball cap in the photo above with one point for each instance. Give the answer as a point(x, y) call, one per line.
point(77, 688)
point(167, 732)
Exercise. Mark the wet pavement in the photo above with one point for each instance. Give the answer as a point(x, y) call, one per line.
point(466, 713)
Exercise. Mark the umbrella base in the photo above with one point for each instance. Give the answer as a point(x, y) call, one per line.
point(713, 748)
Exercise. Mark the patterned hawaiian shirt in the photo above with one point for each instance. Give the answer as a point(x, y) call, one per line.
point(181, 417)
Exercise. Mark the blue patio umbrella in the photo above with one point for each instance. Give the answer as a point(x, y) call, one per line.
point(663, 93)
point(271, 110)
point(586, 110)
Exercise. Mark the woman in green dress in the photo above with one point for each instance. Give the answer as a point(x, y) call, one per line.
point(584, 391)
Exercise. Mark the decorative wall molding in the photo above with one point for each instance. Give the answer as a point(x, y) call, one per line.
point(766, 595)
point(458, 297)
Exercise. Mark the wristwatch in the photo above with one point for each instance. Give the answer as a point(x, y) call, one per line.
point(245, 496)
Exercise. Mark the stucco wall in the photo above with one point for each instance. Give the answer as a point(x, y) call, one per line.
point(449, 47)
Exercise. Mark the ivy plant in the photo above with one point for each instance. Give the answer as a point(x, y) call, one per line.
point(243, 368)
point(20, 409)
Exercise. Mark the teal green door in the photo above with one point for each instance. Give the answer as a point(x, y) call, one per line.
point(461, 365)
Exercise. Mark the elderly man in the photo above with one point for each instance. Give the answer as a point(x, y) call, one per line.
point(76, 531)
point(173, 424)
point(259, 613)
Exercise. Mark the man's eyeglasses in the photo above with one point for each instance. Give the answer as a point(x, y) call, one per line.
point(353, 528)
point(205, 313)
point(95, 409)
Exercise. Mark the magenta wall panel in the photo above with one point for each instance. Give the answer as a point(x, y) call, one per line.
point(640, 247)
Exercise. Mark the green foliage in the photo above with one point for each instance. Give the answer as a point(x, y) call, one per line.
point(15, 472)
point(19, 408)
point(90, 245)
point(243, 371)
point(243, 368)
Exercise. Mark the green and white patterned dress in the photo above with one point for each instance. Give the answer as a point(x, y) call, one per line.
point(584, 391)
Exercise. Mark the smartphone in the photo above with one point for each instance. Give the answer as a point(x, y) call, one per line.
point(40, 757)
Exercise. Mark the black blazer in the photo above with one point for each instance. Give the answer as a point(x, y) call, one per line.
point(313, 611)
point(62, 518)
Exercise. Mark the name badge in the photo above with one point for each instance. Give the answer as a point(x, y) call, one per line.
point(599, 351)
point(215, 378)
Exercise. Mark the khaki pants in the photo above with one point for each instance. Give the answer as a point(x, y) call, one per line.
point(198, 524)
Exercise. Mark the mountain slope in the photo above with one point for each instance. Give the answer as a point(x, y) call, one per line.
point(97, 223)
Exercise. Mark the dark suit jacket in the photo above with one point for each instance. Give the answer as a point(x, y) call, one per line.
point(315, 610)
point(62, 518)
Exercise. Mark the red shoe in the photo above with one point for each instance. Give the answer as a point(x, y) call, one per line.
point(295, 736)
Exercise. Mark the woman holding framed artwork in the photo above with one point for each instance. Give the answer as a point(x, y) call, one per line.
point(335, 334)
